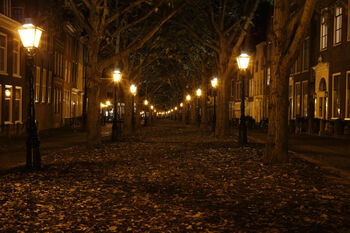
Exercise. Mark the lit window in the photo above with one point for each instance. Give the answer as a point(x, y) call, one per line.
point(338, 24)
point(3, 53)
point(18, 105)
point(305, 97)
point(8, 104)
point(324, 33)
point(298, 99)
point(336, 96)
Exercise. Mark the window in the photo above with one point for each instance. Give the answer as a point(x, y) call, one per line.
point(43, 86)
point(324, 33)
point(5, 7)
point(8, 104)
point(297, 99)
point(0, 104)
point(268, 80)
point(338, 24)
point(290, 110)
point(18, 105)
point(232, 88)
point(306, 54)
point(336, 96)
point(348, 95)
point(16, 57)
point(37, 84)
point(305, 98)
point(49, 85)
point(348, 19)
point(3, 53)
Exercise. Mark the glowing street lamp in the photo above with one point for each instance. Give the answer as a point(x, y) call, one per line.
point(30, 36)
point(199, 94)
point(243, 62)
point(117, 76)
point(214, 83)
point(108, 102)
point(133, 89)
point(181, 105)
point(188, 99)
point(146, 102)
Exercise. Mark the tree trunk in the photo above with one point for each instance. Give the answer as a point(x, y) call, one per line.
point(93, 120)
point(222, 109)
point(276, 150)
point(193, 112)
point(127, 130)
point(204, 110)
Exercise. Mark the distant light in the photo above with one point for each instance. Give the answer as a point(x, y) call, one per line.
point(117, 76)
point(146, 102)
point(188, 97)
point(181, 105)
point(108, 102)
point(133, 89)
point(152, 107)
point(214, 82)
point(199, 92)
point(7, 93)
point(175, 108)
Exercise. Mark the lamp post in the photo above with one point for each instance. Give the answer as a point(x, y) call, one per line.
point(133, 93)
point(146, 108)
point(116, 79)
point(30, 36)
point(243, 61)
point(188, 99)
point(199, 94)
point(181, 112)
point(214, 83)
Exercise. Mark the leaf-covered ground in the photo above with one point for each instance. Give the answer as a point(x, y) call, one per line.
point(171, 179)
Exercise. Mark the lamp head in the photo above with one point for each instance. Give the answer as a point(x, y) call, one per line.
point(214, 82)
point(117, 76)
point(199, 92)
point(133, 89)
point(243, 61)
point(30, 35)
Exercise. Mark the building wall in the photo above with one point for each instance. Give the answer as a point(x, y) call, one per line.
point(12, 78)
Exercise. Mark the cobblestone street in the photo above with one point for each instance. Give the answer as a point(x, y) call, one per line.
point(172, 178)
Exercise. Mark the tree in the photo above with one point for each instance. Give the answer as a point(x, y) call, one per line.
point(291, 21)
point(104, 20)
point(222, 27)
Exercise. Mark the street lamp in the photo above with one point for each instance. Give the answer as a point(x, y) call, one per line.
point(116, 79)
point(30, 36)
point(199, 94)
point(214, 83)
point(242, 61)
point(146, 110)
point(188, 99)
point(133, 89)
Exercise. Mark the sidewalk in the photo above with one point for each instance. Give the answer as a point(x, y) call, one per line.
point(13, 151)
point(326, 150)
